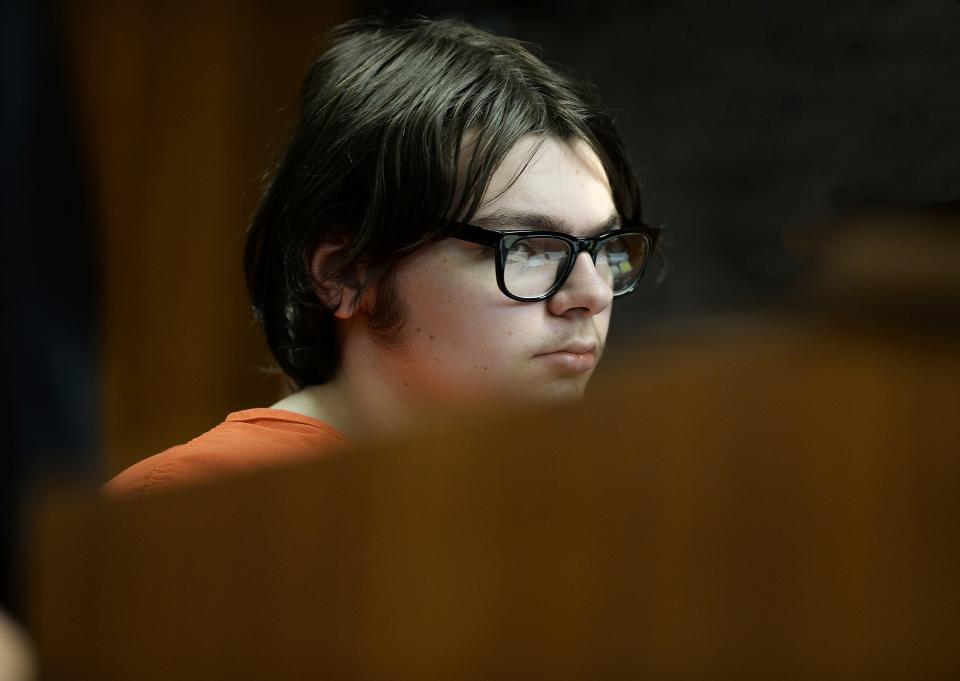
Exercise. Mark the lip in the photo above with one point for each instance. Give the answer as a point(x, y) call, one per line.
point(569, 362)
point(573, 357)
point(575, 348)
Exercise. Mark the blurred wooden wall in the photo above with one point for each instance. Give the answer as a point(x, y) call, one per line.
point(182, 107)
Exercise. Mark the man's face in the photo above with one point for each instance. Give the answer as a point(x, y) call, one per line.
point(463, 337)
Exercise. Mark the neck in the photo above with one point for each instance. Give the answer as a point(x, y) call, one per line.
point(363, 400)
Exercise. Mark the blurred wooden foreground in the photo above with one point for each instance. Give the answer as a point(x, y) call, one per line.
point(767, 497)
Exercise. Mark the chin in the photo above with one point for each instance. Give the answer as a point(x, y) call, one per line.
point(565, 390)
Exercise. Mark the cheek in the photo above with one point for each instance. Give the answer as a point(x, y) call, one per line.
point(602, 323)
point(459, 324)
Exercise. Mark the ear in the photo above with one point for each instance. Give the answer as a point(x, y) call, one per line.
point(340, 297)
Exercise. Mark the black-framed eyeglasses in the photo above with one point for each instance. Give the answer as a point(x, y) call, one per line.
point(534, 265)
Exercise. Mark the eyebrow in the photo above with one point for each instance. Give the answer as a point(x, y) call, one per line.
point(506, 219)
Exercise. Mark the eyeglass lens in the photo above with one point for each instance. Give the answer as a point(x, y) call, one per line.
point(534, 264)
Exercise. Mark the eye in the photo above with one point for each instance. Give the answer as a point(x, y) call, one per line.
point(526, 253)
point(522, 250)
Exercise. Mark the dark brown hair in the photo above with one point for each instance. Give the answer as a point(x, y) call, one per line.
point(375, 163)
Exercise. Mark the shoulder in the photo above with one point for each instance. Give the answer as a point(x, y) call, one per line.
point(246, 440)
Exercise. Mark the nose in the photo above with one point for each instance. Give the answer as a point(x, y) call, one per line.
point(584, 291)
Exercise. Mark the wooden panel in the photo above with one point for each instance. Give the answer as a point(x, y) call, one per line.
point(182, 105)
point(747, 500)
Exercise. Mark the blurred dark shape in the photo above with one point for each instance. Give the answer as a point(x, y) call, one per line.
point(50, 393)
point(892, 262)
point(767, 495)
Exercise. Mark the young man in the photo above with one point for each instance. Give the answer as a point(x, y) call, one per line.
point(451, 221)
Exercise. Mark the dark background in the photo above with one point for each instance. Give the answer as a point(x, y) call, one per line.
point(750, 121)
point(134, 135)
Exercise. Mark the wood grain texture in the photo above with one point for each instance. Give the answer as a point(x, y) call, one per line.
point(182, 107)
point(749, 500)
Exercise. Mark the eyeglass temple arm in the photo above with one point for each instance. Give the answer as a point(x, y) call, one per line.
point(477, 235)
